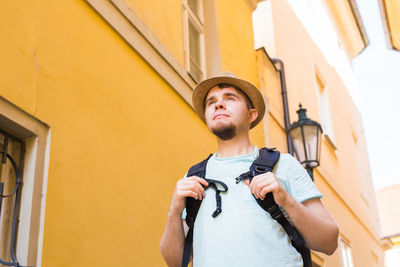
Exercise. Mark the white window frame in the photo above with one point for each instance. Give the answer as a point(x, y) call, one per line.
point(36, 136)
point(346, 256)
point(8, 178)
point(198, 22)
point(324, 105)
point(317, 260)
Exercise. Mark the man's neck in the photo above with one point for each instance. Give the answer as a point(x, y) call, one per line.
point(240, 145)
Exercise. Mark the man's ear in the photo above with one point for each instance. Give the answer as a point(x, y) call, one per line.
point(253, 114)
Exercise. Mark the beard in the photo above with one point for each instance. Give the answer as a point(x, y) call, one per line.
point(224, 132)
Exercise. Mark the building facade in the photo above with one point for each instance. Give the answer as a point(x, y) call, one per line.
point(96, 96)
point(389, 217)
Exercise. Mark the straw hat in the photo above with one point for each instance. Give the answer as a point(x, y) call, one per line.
point(202, 89)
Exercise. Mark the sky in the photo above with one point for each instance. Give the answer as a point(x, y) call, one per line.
point(377, 71)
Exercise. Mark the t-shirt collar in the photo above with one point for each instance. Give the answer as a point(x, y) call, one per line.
point(253, 154)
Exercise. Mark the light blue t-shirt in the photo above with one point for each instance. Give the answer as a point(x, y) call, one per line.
point(243, 234)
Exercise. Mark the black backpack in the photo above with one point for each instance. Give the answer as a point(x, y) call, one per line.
point(265, 162)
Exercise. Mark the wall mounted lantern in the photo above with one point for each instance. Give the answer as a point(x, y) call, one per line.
point(306, 140)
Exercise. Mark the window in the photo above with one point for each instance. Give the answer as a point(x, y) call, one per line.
point(325, 110)
point(363, 170)
point(345, 254)
point(23, 184)
point(194, 38)
point(11, 162)
point(316, 260)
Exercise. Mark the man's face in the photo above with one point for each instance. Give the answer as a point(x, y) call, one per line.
point(226, 112)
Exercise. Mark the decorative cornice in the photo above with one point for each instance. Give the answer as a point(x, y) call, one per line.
point(360, 24)
point(386, 26)
point(253, 4)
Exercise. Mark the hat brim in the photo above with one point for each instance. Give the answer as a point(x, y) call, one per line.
point(202, 89)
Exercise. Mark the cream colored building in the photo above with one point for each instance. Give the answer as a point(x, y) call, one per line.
point(317, 41)
point(98, 93)
point(389, 216)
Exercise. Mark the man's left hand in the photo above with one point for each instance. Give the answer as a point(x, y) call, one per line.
point(265, 183)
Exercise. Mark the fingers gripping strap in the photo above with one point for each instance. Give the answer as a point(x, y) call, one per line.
point(187, 250)
point(266, 162)
point(193, 205)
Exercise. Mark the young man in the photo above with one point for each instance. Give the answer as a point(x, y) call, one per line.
point(244, 234)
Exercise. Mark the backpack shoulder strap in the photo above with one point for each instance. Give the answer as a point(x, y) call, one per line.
point(265, 162)
point(193, 205)
point(192, 208)
point(199, 169)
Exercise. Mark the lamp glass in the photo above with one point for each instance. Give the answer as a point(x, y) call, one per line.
point(311, 136)
point(298, 145)
point(306, 144)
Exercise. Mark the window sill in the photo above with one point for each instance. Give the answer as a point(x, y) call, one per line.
point(332, 148)
point(329, 141)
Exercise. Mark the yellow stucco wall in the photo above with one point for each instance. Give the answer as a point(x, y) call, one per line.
point(17, 68)
point(121, 136)
point(165, 21)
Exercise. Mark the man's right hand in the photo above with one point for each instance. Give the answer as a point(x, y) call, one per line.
point(173, 239)
point(187, 187)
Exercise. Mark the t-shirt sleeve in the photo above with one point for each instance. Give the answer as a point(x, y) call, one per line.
point(302, 188)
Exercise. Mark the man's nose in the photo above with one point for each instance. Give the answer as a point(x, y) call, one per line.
point(219, 105)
